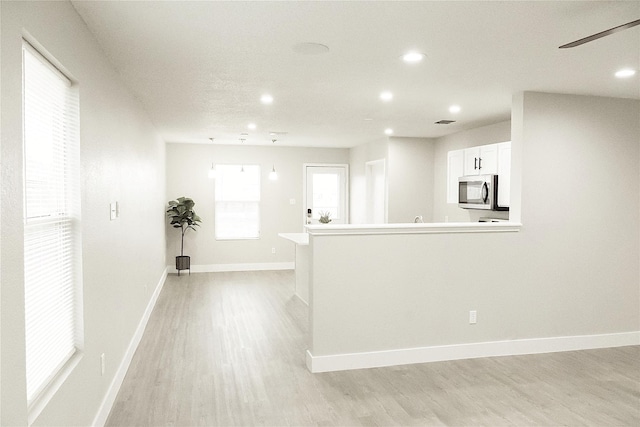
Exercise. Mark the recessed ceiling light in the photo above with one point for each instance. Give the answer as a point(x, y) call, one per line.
point(412, 57)
point(386, 96)
point(266, 99)
point(251, 126)
point(625, 72)
point(388, 131)
point(454, 109)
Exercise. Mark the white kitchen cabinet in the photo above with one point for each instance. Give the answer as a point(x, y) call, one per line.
point(481, 160)
point(455, 169)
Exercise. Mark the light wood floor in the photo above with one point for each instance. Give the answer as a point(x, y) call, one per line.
point(228, 349)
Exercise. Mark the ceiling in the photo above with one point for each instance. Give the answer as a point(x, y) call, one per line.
point(200, 67)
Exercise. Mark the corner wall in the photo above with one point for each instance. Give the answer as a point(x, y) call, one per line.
point(122, 159)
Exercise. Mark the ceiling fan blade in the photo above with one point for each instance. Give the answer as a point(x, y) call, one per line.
point(601, 34)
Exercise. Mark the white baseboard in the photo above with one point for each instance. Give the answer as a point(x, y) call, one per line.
point(376, 359)
point(114, 387)
point(217, 268)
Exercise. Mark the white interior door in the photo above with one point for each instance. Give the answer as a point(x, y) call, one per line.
point(376, 177)
point(326, 191)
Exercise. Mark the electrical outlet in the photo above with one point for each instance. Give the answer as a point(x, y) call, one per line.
point(473, 317)
point(273, 250)
point(102, 363)
point(292, 201)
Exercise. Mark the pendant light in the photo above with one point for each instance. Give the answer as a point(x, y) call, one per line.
point(242, 143)
point(273, 175)
point(212, 171)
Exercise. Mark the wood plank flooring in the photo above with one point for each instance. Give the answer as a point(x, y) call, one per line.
point(227, 349)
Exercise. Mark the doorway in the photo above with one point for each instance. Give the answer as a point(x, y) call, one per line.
point(376, 187)
point(326, 191)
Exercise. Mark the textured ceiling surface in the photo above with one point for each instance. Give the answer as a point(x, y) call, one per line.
point(200, 67)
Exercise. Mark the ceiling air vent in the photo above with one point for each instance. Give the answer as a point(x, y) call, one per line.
point(445, 122)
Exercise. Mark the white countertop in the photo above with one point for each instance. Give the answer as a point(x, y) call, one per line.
point(412, 228)
point(297, 238)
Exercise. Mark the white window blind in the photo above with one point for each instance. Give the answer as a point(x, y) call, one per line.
point(52, 267)
point(237, 207)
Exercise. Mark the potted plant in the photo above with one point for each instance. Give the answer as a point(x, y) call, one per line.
point(325, 217)
point(183, 217)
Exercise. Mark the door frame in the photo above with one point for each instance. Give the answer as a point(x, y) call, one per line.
point(304, 188)
point(368, 166)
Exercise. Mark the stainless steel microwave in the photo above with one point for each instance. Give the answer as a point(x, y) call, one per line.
point(479, 192)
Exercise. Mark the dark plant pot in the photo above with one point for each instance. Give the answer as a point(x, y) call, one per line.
point(183, 262)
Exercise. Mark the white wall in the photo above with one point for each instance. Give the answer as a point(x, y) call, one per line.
point(499, 132)
point(123, 260)
point(572, 270)
point(187, 167)
point(410, 174)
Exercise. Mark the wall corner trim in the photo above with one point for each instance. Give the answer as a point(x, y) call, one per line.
point(377, 359)
point(110, 397)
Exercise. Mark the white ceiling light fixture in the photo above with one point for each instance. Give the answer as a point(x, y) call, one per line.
point(413, 57)
point(454, 109)
point(266, 99)
point(212, 171)
point(251, 126)
point(386, 96)
point(625, 73)
point(273, 175)
point(388, 131)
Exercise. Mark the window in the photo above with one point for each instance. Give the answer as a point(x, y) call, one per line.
point(237, 202)
point(52, 263)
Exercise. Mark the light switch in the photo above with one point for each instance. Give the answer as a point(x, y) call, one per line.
point(113, 208)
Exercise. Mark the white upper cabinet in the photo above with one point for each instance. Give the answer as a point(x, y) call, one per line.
point(481, 160)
